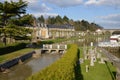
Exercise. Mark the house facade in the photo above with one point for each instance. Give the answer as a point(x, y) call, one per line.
point(61, 31)
point(43, 31)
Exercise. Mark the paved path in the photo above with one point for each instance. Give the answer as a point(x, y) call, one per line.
point(114, 59)
point(111, 57)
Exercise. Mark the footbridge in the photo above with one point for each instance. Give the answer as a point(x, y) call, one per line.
point(54, 48)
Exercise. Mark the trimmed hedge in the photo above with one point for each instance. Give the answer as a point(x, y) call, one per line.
point(62, 69)
point(12, 48)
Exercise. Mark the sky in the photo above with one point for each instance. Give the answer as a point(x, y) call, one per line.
point(105, 13)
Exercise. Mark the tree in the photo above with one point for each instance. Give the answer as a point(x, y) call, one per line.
point(58, 20)
point(116, 32)
point(66, 19)
point(51, 20)
point(16, 32)
point(11, 9)
point(78, 25)
point(41, 19)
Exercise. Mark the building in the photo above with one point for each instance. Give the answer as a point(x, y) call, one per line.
point(99, 31)
point(61, 31)
point(115, 38)
point(43, 31)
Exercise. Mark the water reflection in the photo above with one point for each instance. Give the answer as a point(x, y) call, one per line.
point(18, 72)
point(40, 63)
point(22, 71)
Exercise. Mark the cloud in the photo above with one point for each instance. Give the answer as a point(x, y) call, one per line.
point(109, 24)
point(46, 15)
point(115, 3)
point(35, 5)
point(111, 21)
point(112, 17)
point(39, 7)
point(64, 3)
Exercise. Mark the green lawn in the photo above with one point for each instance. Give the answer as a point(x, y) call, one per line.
point(98, 71)
point(14, 54)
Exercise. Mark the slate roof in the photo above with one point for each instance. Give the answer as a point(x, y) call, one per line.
point(65, 26)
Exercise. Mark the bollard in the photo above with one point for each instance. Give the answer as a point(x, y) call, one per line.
point(65, 46)
point(20, 61)
point(58, 47)
point(50, 46)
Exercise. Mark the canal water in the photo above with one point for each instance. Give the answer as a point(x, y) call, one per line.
point(29, 67)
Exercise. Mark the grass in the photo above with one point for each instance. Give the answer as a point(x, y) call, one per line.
point(98, 71)
point(14, 54)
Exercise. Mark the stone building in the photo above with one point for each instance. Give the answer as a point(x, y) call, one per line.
point(61, 31)
point(43, 31)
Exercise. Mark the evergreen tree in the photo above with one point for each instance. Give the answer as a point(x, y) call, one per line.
point(59, 20)
point(11, 9)
point(66, 19)
point(41, 19)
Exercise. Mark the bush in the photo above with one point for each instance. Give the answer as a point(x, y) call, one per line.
point(63, 69)
point(14, 47)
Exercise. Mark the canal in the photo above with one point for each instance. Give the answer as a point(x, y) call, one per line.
point(29, 67)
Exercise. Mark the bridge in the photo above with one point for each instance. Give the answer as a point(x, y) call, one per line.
point(53, 48)
point(111, 30)
point(114, 60)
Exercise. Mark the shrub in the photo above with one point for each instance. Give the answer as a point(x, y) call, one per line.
point(12, 48)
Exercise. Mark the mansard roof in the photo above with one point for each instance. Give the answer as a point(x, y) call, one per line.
point(64, 26)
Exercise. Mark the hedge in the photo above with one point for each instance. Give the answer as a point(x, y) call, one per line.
point(62, 69)
point(12, 48)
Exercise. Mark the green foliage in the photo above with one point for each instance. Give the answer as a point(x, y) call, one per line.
point(98, 71)
point(11, 9)
point(25, 20)
point(66, 20)
point(12, 48)
point(41, 19)
point(1, 30)
point(63, 69)
point(78, 25)
point(16, 32)
point(51, 20)
point(116, 32)
point(14, 54)
point(85, 25)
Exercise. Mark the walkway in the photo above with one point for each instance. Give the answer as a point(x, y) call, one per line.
point(114, 59)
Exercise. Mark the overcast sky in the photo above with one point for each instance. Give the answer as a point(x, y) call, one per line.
point(106, 13)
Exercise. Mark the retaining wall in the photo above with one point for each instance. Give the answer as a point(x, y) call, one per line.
point(10, 63)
